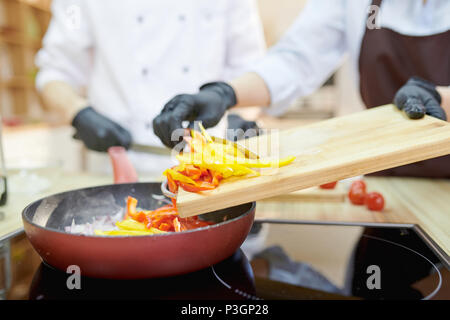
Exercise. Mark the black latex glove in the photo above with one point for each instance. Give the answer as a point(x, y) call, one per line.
point(419, 97)
point(97, 132)
point(208, 106)
point(236, 122)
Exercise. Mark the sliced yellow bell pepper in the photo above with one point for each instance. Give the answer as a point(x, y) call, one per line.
point(239, 170)
point(228, 160)
point(204, 133)
point(221, 157)
point(131, 224)
point(157, 231)
point(123, 233)
point(226, 170)
point(222, 148)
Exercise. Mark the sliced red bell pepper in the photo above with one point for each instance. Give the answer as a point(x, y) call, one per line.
point(177, 225)
point(201, 186)
point(165, 227)
point(168, 208)
point(193, 223)
point(208, 177)
point(205, 172)
point(139, 216)
point(173, 186)
point(131, 207)
point(192, 172)
point(216, 178)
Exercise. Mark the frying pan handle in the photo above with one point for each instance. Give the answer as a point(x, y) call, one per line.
point(166, 192)
point(124, 171)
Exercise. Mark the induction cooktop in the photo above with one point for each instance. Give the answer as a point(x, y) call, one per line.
point(287, 261)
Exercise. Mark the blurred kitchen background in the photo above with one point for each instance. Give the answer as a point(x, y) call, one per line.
point(22, 26)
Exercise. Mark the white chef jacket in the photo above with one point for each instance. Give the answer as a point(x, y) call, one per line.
point(133, 56)
point(326, 31)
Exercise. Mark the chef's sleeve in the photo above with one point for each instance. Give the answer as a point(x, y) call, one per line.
point(67, 45)
point(307, 55)
point(245, 37)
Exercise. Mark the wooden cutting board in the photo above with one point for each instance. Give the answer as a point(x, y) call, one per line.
point(313, 194)
point(330, 150)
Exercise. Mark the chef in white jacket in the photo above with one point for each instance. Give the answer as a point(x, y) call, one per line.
point(399, 51)
point(109, 66)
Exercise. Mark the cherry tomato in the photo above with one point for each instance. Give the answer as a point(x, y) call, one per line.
point(330, 185)
point(357, 195)
point(374, 201)
point(359, 184)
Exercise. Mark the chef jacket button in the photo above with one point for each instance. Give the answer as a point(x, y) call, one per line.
point(148, 125)
point(185, 69)
point(181, 17)
point(144, 71)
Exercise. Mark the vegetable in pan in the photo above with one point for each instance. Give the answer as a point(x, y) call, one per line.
point(147, 222)
point(201, 169)
point(209, 162)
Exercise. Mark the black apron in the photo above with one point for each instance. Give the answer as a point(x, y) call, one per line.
point(387, 60)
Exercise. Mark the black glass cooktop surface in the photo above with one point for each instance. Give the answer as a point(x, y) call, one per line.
point(286, 261)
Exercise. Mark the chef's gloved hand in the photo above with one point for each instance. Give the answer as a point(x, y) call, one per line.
point(419, 97)
point(208, 106)
point(239, 128)
point(97, 132)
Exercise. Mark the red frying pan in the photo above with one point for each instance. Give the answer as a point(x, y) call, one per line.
point(128, 257)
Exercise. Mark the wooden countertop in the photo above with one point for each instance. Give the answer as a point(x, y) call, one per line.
point(408, 201)
point(423, 202)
